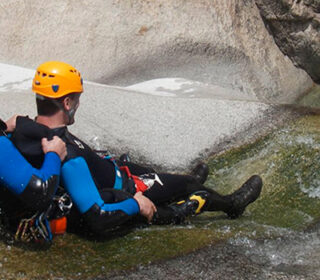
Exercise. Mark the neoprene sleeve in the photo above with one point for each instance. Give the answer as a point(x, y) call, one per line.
point(78, 182)
point(16, 172)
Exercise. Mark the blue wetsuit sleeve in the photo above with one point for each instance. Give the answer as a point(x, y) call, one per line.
point(78, 182)
point(16, 172)
point(51, 166)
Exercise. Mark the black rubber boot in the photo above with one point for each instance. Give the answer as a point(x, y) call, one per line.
point(193, 205)
point(200, 172)
point(242, 197)
point(175, 213)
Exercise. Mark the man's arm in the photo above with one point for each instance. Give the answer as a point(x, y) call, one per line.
point(100, 214)
point(35, 187)
point(147, 207)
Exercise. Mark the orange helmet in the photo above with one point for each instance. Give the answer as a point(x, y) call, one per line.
point(55, 79)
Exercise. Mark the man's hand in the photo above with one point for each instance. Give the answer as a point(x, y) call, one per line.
point(11, 123)
point(55, 145)
point(147, 208)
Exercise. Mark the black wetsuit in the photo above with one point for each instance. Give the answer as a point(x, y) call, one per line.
point(90, 180)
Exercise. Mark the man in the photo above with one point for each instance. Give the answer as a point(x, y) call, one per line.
point(105, 194)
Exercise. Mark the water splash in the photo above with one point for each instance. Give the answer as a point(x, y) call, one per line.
point(291, 250)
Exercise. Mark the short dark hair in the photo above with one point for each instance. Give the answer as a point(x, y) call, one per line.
point(48, 106)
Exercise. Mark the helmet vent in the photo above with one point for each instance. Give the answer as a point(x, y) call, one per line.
point(44, 74)
point(51, 76)
point(37, 83)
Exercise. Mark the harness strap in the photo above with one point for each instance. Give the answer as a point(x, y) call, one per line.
point(118, 180)
point(140, 185)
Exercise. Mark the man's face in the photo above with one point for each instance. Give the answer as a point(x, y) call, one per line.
point(71, 106)
point(76, 102)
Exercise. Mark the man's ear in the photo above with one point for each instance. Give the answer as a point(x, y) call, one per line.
point(67, 103)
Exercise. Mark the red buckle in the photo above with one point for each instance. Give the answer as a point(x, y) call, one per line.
point(140, 186)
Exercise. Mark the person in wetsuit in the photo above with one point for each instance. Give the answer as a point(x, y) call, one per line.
point(106, 193)
point(24, 188)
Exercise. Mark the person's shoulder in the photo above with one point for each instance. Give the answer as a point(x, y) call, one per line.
point(75, 146)
point(75, 141)
point(30, 129)
point(22, 120)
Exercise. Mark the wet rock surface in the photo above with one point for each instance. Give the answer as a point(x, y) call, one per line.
point(276, 238)
point(292, 257)
point(218, 262)
point(295, 26)
point(169, 132)
point(214, 262)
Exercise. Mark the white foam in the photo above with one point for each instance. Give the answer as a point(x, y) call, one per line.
point(313, 189)
point(293, 249)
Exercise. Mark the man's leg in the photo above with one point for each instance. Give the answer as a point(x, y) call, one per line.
point(200, 172)
point(193, 197)
point(197, 198)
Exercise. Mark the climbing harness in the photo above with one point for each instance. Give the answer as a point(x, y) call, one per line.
point(64, 205)
point(142, 182)
point(41, 227)
point(118, 179)
point(35, 229)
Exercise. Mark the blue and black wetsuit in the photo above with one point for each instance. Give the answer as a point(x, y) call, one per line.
point(88, 178)
point(23, 187)
point(91, 181)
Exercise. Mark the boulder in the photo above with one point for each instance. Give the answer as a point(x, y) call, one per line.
point(295, 26)
point(223, 43)
point(221, 47)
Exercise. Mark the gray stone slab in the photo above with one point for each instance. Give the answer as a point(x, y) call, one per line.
point(168, 132)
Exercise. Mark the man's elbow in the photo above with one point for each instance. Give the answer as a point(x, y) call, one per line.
point(39, 193)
